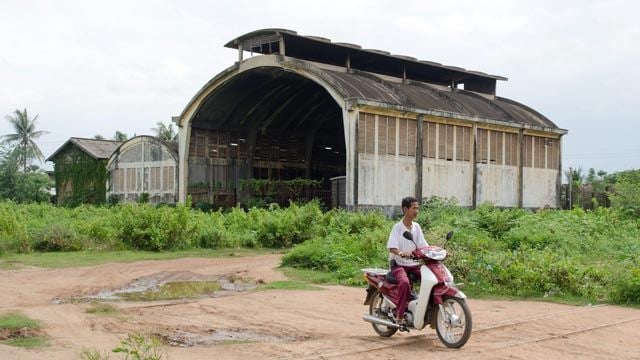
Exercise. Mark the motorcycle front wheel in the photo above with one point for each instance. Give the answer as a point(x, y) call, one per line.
point(454, 325)
point(376, 309)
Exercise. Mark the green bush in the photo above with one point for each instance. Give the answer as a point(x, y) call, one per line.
point(58, 237)
point(627, 288)
point(13, 231)
point(144, 227)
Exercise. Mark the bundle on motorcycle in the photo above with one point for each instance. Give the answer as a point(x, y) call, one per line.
point(439, 303)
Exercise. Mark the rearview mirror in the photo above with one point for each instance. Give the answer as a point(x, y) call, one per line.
point(407, 235)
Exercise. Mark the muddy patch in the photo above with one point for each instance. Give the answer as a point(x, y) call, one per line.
point(182, 338)
point(164, 286)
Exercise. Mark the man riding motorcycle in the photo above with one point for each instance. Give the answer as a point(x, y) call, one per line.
point(400, 248)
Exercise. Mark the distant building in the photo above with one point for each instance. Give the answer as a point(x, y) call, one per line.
point(387, 125)
point(80, 170)
point(144, 165)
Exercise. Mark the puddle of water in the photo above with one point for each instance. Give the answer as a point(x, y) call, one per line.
point(174, 290)
point(212, 337)
point(167, 286)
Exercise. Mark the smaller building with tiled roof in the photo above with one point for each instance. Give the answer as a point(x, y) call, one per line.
point(80, 170)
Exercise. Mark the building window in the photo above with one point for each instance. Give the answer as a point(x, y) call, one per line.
point(366, 133)
point(386, 135)
point(553, 153)
point(407, 137)
point(429, 133)
point(463, 143)
point(511, 149)
point(445, 142)
point(495, 147)
point(482, 153)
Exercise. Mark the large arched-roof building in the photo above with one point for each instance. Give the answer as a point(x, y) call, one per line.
point(309, 107)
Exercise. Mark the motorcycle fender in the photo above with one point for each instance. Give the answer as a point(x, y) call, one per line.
point(370, 292)
point(441, 290)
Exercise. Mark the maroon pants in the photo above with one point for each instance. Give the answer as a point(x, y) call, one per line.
point(401, 273)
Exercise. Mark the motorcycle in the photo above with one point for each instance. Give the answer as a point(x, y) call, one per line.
point(439, 303)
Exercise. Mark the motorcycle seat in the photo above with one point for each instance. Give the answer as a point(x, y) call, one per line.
point(392, 280)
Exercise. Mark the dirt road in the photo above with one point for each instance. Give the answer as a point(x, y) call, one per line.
point(323, 324)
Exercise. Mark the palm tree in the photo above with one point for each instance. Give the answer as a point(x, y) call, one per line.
point(23, 141)
point(164, 132)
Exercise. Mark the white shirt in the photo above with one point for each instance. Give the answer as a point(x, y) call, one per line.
point(397, 241)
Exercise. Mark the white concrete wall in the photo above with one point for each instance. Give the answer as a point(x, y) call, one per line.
point(448, 179)
point(385, 180)
point(539, 188)
point(497, 184)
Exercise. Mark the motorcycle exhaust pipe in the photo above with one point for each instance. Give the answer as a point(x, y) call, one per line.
point(378, 321)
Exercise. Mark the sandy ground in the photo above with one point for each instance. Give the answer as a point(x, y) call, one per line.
point(293, 324)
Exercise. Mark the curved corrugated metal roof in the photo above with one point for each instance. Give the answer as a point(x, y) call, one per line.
point(429, 97)
point(271, 86)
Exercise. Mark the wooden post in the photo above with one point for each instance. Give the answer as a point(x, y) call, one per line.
point(251, 149)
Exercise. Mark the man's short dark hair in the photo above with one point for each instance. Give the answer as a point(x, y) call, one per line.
point(406, 202)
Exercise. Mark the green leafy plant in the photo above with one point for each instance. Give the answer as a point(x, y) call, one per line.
point(140, 347)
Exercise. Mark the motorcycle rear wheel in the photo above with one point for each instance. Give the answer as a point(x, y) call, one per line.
point(375, 309)
point(454, 329)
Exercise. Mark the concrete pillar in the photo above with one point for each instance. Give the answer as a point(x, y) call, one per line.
point(474, 155)
point(240, 50)
point(281, 45)
point(419, 159)
point(559, 178)
point(184, 136)
point(355, 164)
point(520, 167)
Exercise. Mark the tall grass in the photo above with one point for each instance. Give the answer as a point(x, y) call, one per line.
point(587, 255)
point(44, 227)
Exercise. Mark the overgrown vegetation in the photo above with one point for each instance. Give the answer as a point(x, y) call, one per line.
point(86, 175)
point(589, 256)
point(26, 228)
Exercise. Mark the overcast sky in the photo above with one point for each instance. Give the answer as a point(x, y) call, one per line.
point(94, 67)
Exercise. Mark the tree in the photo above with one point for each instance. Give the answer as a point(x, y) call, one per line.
point(30, 186)
point(164, 132)
point(23, 141)
point(626, 192)
point(98, 137)
point(120, 136)
point(8, 171)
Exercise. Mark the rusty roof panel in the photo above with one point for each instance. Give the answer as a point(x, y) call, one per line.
point(425, 96)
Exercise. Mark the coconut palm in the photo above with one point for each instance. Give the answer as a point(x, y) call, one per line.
point(23, 142)
point(164, 132)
